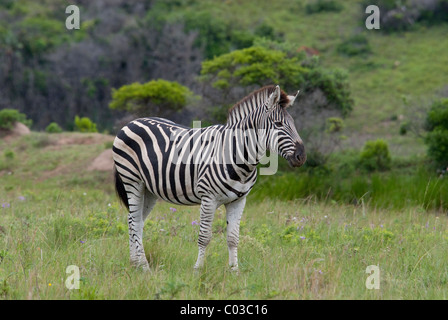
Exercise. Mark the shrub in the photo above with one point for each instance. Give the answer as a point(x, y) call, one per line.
point(437, 127)
point(156, 97)
point(437, 12)
point(375, 156)
point(323, 6)
point(10, 116)
point(9, 154)
point(437, 141)
point(7, 163)
point(334, 124)
point(404, 127)
point(53, 128)
point(268, 32)
point(437, 115)
point(84, 124)
point(355, 45)
point(334, 83)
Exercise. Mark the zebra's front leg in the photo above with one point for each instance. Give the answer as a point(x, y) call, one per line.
point(208, 208)
point(234, 211)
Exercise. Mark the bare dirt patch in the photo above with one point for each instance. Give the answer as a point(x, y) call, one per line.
point(104, 162)
point(18, 130)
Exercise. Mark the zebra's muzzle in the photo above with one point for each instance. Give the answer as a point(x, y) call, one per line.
point(298, 157)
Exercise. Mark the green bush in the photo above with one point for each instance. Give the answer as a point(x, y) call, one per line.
point(355, 45)
point(53, 128)
point(156, 97)
point(9, 116)
point(334, 124)
point(437, 115)
point(7, 161)
point(375, 156)
point(334, 83)
point(404, 127)
point(9, 154)
point(436, 13)
point(437, 127)
point(323, 6)
point(437, 141)
point(84, 124)
point(266, 31)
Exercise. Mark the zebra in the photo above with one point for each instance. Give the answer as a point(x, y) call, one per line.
point(156, 158)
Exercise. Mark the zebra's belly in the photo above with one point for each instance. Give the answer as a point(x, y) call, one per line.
point(182, 195)
point(224, 192)
point(193, 197)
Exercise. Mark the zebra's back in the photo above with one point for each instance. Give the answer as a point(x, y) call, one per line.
point(143, 151)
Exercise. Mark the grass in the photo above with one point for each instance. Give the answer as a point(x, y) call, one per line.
point(298, 249)
point(288, 250)
point(395, 189)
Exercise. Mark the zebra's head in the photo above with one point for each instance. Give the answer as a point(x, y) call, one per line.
point(282, 133)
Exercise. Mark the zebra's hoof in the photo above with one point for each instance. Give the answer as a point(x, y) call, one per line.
point(235, 270)
point(198, 270)
point(144, 266)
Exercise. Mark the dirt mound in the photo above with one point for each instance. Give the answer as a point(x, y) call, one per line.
point(19, 129)
point(83, 138)
point(104, 162)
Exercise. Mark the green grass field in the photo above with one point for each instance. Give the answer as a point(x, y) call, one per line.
point(55, 214)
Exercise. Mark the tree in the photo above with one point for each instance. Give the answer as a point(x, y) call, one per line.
point(253, 66)
point(155, 98)
point(258, 66)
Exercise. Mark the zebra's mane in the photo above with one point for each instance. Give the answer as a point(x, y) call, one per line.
point(254, 100)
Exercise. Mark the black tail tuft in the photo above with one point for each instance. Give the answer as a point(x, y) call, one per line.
point(121, 192)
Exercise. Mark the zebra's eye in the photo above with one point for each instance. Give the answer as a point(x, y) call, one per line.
point(278, 124)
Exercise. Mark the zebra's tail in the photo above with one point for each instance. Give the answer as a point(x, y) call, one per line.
point(119, 188)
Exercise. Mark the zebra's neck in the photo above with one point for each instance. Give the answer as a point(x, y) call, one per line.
point(247, 141)
point(249, 104)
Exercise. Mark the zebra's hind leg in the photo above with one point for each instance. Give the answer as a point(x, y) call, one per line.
point(141, 203)
point(149, 203)
point(234, 211)
point(208, 208)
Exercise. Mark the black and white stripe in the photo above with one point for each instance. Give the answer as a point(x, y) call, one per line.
point(217, 165)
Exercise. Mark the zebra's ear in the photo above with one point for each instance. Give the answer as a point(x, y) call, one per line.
point(274, 97)
point(292, 99)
